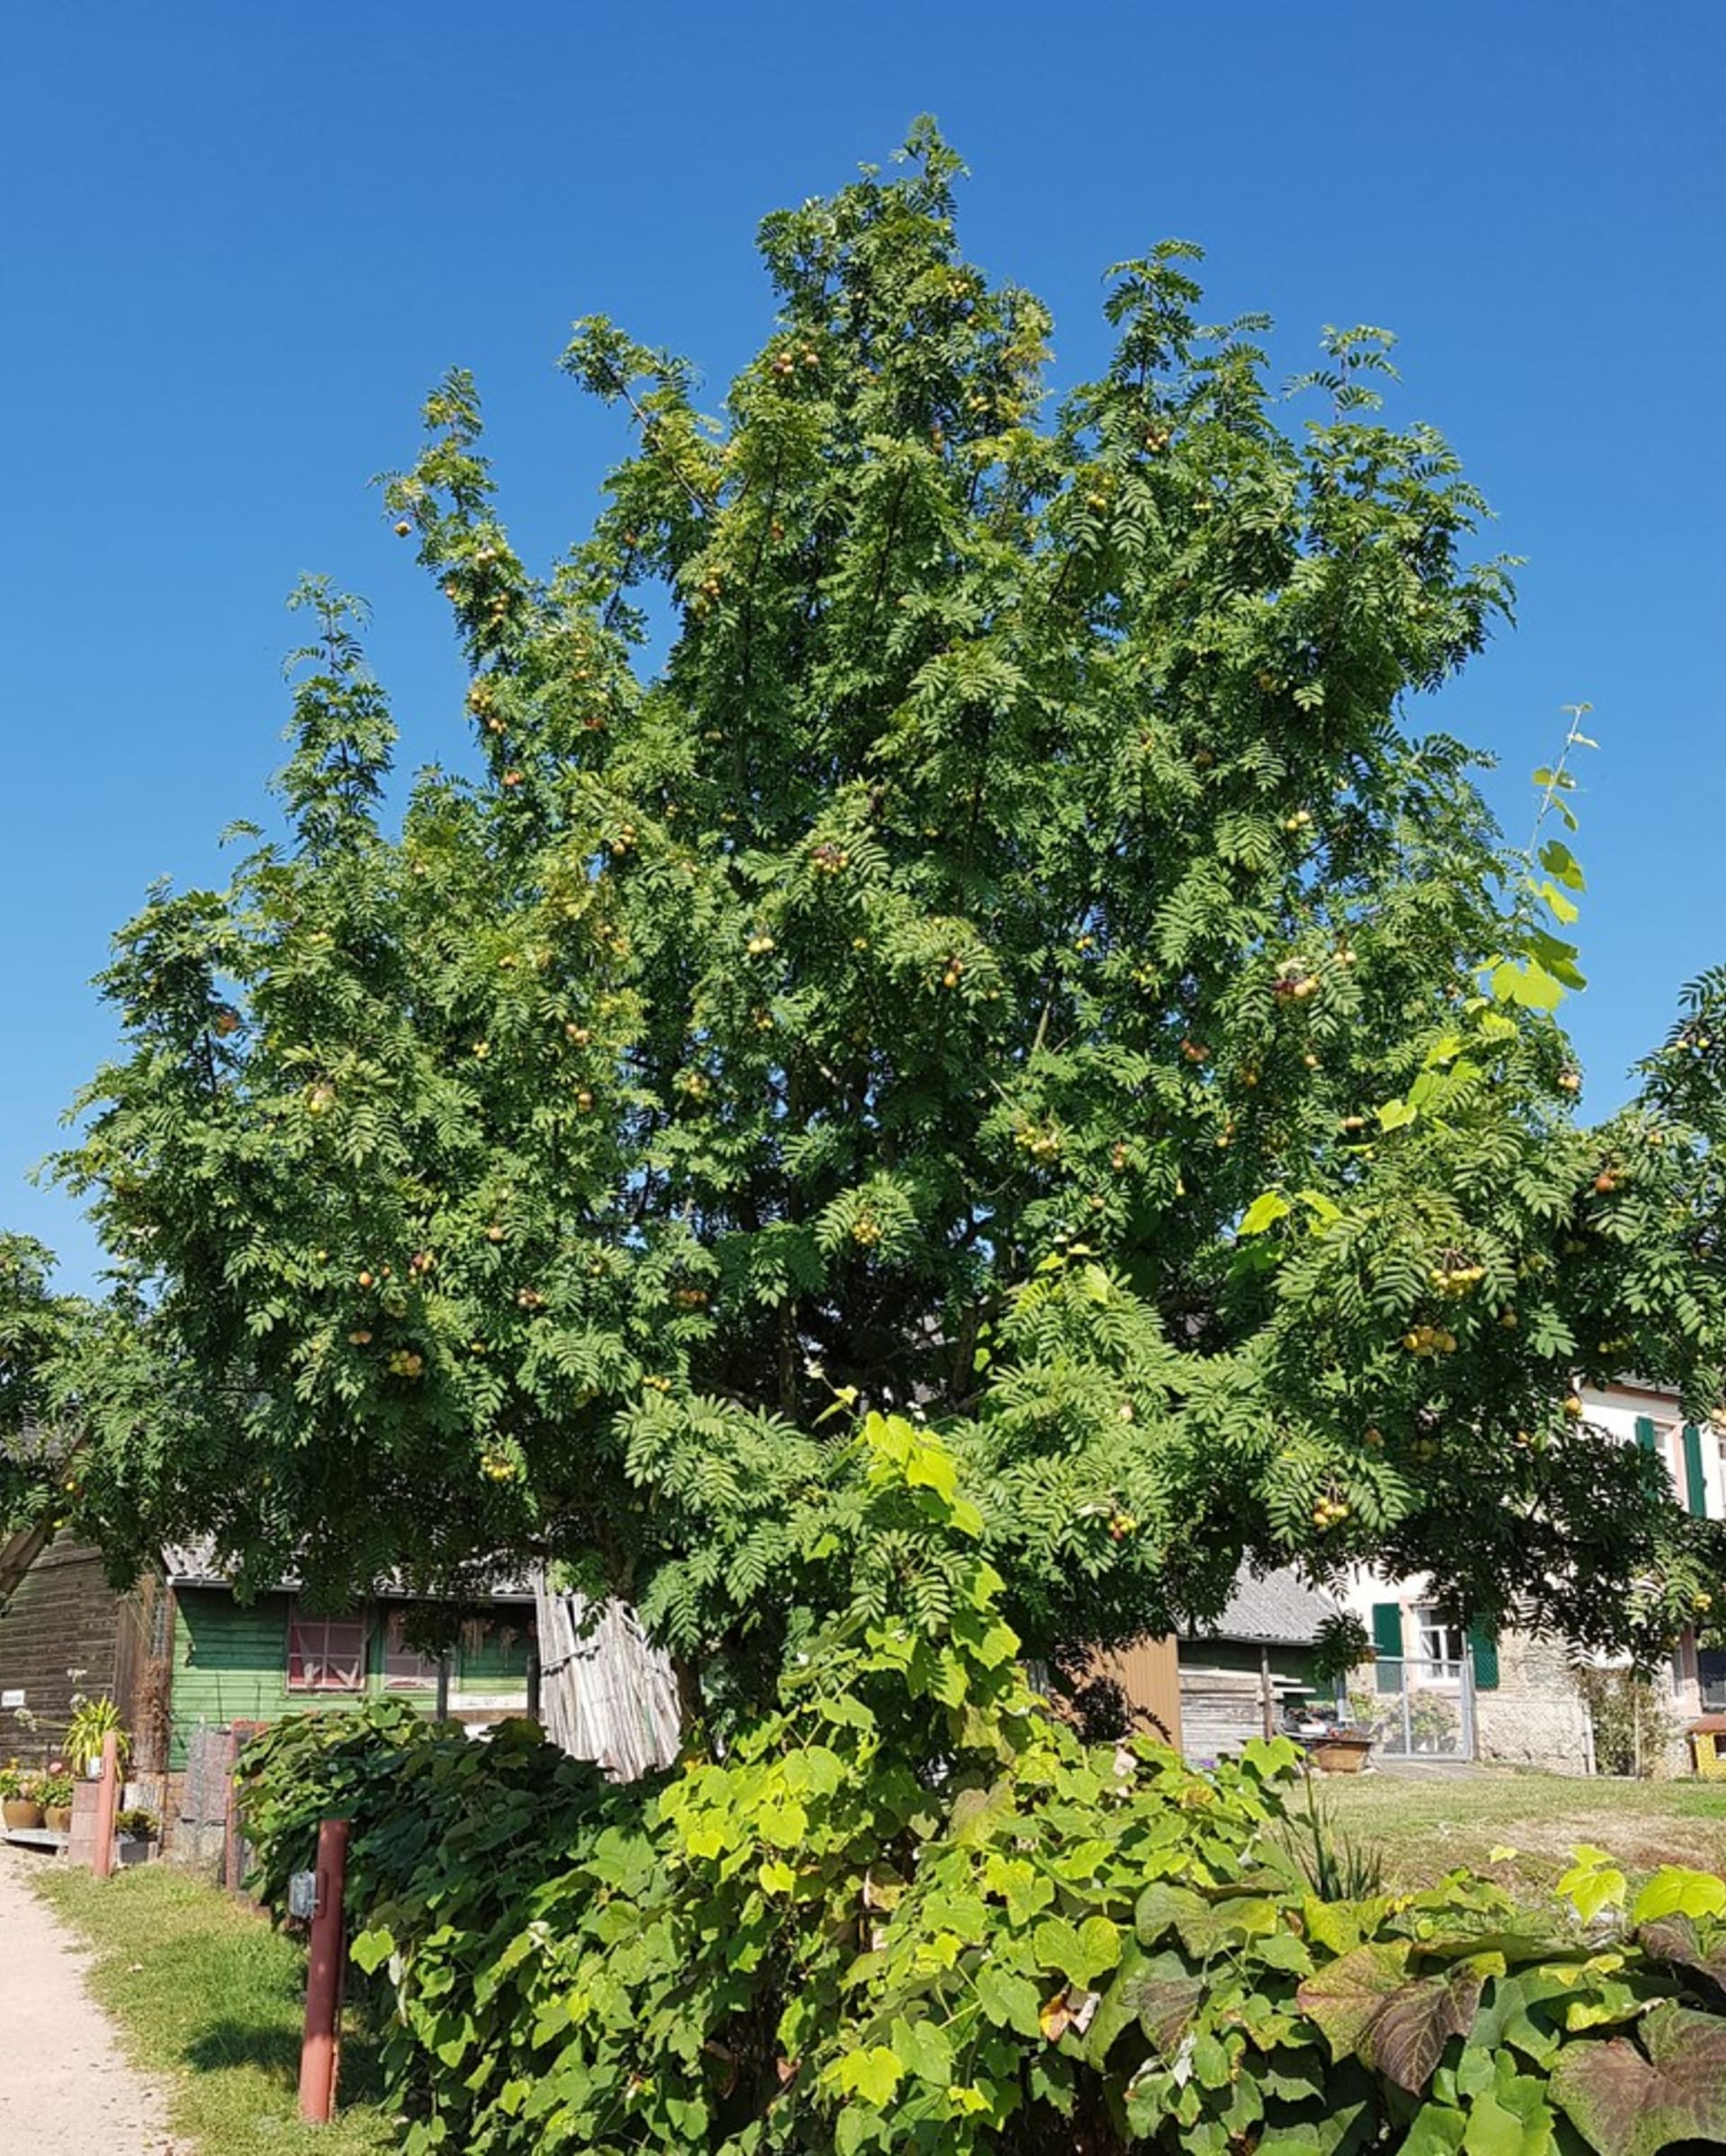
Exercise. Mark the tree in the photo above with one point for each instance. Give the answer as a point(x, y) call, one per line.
point(39, 1481)
point(1013, 963)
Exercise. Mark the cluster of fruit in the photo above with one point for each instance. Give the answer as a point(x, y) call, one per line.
point(831, 859)
point(759, 945)
point(1329, 1512)
point(1429, 1340)
point(1042, 1144)
point(1455, 1279)
point(866, 1231)
point(784, 363)
point(405, 1362)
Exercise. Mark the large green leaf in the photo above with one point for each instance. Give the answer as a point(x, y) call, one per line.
point(1626, 2101)
point(1348, 1996)
point(1161, 1907)
point(1081, 1952)
point(1675, 1940)
point(1408, 2036)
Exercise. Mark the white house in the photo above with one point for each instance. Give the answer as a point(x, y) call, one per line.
point(1440, 1690)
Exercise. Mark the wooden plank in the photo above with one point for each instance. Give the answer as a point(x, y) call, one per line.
point(1149, 1673)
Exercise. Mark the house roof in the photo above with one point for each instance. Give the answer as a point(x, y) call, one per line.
point(195, 1564)
point(1276, 1608)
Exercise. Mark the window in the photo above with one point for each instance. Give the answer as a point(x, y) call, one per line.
point(406, 1669)
point(1711, 1669)
point(494, 1653)
point(1442, 1639)
point(325, 1655)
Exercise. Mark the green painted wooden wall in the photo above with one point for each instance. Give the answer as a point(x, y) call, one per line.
point(230, 1664)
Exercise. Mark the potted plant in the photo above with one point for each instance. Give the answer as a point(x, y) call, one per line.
point(1340, 1745)
point(1341, 1750)
point(136, 1832)
point(92, 1721)
point(55, 1791)
point(20, 1805)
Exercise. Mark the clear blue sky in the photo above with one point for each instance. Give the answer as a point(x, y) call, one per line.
point(241, 241)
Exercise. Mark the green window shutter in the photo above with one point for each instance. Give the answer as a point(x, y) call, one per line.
point(1645, 1436)
point(1695, 1485)
point(1387, 1637)
point(1486, 1658)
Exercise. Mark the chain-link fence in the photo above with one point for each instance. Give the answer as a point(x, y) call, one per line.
point(1416, 1709)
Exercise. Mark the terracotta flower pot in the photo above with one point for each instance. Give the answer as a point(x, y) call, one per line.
point(23, 1812)
point(58, 1818)
point(1340, 1754)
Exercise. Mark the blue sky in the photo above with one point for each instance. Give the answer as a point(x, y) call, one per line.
point(240, 242)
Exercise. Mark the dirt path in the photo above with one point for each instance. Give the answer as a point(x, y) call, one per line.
point(65, 2085)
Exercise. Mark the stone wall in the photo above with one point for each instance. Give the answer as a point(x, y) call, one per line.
point(1534, 1716)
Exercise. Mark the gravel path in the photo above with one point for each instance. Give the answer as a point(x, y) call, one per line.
point(66, 2088)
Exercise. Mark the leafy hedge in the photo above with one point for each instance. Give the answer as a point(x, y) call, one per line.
point(911, 1911)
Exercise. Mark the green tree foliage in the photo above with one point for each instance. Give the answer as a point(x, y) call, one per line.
point(909, 1910)
point(1015, 961)
point(38, 1481)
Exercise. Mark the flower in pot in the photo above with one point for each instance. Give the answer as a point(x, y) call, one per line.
point(54, 1790)
point(92, 1721)
point(20, 1805)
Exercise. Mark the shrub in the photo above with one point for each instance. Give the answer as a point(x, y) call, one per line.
point(911, 1911)
point(1633, 1732)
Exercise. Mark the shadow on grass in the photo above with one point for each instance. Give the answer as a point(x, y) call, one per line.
point(222, 2045)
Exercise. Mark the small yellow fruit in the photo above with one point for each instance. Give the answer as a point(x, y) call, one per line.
point(402, 528)
point(494, 1234)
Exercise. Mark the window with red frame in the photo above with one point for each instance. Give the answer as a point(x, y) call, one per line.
point(325, 1655)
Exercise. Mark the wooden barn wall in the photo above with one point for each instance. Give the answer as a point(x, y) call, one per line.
point(63, 1617)
point(1149, 1673)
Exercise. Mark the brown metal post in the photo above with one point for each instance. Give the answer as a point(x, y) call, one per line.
point(321, 2048)
point(102, 1858)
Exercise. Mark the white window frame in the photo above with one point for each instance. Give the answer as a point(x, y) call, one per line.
point(1435, 1630)
point(313, 1666)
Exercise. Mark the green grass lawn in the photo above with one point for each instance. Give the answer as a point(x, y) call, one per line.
point(207, 1995)
point(1427, 1824)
